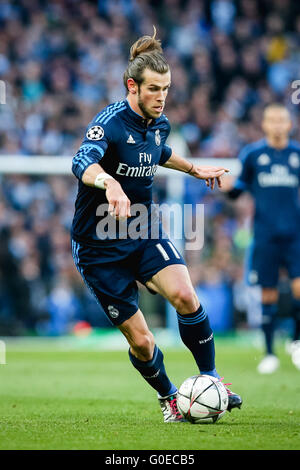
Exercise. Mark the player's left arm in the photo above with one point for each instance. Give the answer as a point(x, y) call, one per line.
point(208, 173)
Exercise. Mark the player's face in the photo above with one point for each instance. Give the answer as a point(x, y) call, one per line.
point(277, 123)
point(152, 93)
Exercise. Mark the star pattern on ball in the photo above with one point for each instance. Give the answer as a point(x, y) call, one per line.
point(95, 133)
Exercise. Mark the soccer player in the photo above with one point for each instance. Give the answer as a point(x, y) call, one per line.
point(271, 172)
point(115, 166)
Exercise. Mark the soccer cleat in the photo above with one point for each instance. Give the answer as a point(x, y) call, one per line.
point(289, 346)
point(169, 409)
point(234, 400)
point(295, 353)
point(268, 365)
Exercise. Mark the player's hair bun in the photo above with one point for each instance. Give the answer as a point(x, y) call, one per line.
point(145, 44)
point(145, 53)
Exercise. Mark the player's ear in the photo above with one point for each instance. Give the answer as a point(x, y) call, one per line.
point(132, 86)
point(264, 125)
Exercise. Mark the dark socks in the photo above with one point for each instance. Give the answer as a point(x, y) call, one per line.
point(154, 372)
point(197, 335)
point(269, 312)
point(296, 316)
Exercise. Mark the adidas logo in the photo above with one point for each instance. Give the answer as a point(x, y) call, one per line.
point(130, 140)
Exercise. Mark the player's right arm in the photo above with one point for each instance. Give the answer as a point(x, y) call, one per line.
point(118, 202)
point(86, 167)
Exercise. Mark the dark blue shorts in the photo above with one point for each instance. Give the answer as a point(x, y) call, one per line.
point(111, 271)
point(265, 258)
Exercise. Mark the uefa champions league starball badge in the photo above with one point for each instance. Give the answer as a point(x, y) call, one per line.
point(95, 133)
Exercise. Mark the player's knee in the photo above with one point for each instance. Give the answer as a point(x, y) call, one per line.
point(185, 300)
point(296, 294)
point(269, 296)
point(296, 288)
point(143, 346)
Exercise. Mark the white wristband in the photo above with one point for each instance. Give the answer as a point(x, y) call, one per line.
point(99, 180)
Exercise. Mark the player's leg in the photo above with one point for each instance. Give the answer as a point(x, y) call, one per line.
point(295, 345)
point(114, 287)
point(145, 355)
point(292, 251)
point(163, 270)
point(173, 283)
point(148, 359)
point(269, 314)
point(296, 308)
point(263, 262)
point(270, 362)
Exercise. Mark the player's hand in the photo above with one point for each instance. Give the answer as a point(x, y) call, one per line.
point(210, 174)
point(227, 183)
point(118, 202)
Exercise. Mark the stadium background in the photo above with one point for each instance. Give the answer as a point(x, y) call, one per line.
point(61, 62)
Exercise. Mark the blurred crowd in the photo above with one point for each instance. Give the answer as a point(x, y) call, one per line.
point(62, 61)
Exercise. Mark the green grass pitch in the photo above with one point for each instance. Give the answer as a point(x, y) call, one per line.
point(96, 400)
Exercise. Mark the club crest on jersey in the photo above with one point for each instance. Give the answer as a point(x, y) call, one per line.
point(157, 137)
point(294, 160)
point(95, 133)
point(113, 311)
point(263, 159)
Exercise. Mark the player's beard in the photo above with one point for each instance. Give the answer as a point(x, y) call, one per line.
point(144, 110)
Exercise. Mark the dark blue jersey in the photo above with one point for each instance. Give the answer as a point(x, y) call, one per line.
point(127, 148)
point(272, 177)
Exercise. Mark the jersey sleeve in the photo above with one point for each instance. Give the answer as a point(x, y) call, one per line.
point(295, 156)
point(166, 149)
point(92, 149)
point(165, 154)
point(245, 177)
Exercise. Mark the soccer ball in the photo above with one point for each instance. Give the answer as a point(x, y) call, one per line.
point(202, 399)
